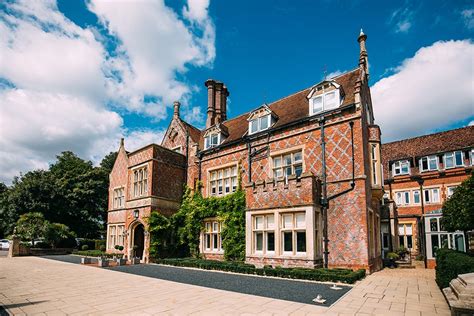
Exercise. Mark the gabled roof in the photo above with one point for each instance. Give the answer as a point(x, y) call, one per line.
point(291, 108)
point(194, 132)
point(428, 145)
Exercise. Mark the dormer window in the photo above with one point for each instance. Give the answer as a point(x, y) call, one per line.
point(261, 119)
point(428, 163)
point(325, 96)
point(401, 167)
point(259, 124)
point(453, 160)
point(212, 140)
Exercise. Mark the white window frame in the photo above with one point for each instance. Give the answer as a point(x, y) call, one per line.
point(209, 140)
point(140, 181)
point(429, 159)
point(212, 230)
point(429, 192)
point(405, 234)
point(324, 107)
point(294, 229)
point(452, 155)
point(118, 198)
point(403, 198)
point(223, 178)
point(450, 188)
point(374, 148)
point(416, 192)
point(264, 231)
point(281, 171)
point(267, 117)
point(472, 156)
point(398, 165)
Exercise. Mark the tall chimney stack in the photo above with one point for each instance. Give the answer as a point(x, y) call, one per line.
point(176, 105)
point(217, 94)
point(211, 102)
point(363, 56)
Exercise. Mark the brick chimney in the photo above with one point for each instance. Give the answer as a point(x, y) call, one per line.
point(217, 94)
point(363, 56)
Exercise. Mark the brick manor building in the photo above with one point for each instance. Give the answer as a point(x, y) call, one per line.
point(420, 174)
point(310, 165)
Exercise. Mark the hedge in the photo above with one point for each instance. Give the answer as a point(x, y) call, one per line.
point(92, 243)
point(330, 275)
point(96, 253)
point(450, 264)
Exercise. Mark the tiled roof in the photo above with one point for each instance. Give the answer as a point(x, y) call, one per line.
point(428, 144)
point(194, 132)
point(291, 108)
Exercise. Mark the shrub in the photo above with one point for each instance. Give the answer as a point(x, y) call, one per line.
point(94, 253)
point(116, 247)
point(392, 256)
point(120, 248)
point(42, 244)
point(450, 264)
point(98, 243)
point(103, 248)
point(85, 247)
point(334, 275)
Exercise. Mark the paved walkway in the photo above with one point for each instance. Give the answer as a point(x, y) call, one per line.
point(32, 285)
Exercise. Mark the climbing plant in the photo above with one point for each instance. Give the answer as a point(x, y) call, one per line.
point(179, 234)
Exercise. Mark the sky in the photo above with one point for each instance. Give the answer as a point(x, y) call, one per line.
point(79, 75)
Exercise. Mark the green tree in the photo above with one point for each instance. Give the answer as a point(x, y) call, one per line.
point(108, 162)
point(31, 226)
point(56, 232)
point(458, 210)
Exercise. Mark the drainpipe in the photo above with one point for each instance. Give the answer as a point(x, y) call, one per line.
point(249, 161)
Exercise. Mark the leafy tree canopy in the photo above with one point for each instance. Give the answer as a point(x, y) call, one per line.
point(31, 226)
point(458, 210)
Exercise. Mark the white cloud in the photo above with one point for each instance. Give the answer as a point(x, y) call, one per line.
point(194, 115)
point(154, 46)
point(65, 81)
point(468, 18)
point(427, 91)
point(402, 19)
point(471, 123)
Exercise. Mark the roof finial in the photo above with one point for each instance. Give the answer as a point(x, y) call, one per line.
point(122, 142)
point(361, 32)
point(325, 71)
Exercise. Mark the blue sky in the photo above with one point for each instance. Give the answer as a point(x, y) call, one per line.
point(91, 72)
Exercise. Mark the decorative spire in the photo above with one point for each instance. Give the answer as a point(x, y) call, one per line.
point(363, 56)
point(122, 142)
point(176, 106)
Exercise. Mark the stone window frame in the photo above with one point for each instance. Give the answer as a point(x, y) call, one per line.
point(265, 230)
point(118, 201)
point(231, 177)
point(376, 167)
point(294, 229)
point(117, 237)
point(140, 181)
point(212, 232)
point(283, 152)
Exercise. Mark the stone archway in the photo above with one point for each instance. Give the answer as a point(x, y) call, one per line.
point(138, 240)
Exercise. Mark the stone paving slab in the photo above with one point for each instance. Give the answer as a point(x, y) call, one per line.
point(36, 286)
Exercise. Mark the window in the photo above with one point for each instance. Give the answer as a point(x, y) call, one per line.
point(472, 157)
point(212, 236)
point(374, 163)
point(450, 191)
point(260, 124)
point(431, 195)
point(223, 181)
point(264, 233)
point(438, 237)
point(177, 149)
point(116, 236)
point(403, 197)
point(140, 182)
point(288, 164)
point(401, 167)
point(324, 102)
point(293, 233)
point(119, 198)
point(453, 159)
point(212, 140)
point(405, 235)
point(416, 196)
point(429, 163)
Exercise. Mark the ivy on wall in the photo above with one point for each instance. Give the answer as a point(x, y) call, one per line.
point(178, 235)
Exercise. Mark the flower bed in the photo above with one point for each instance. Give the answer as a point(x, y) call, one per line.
point(331, 275)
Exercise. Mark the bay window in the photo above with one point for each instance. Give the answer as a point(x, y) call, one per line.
point(293, 233)
point(264, 233)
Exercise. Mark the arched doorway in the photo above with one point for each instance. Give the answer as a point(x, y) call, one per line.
point(139, 240)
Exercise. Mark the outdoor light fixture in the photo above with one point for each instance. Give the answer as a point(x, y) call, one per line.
point(136, 213)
